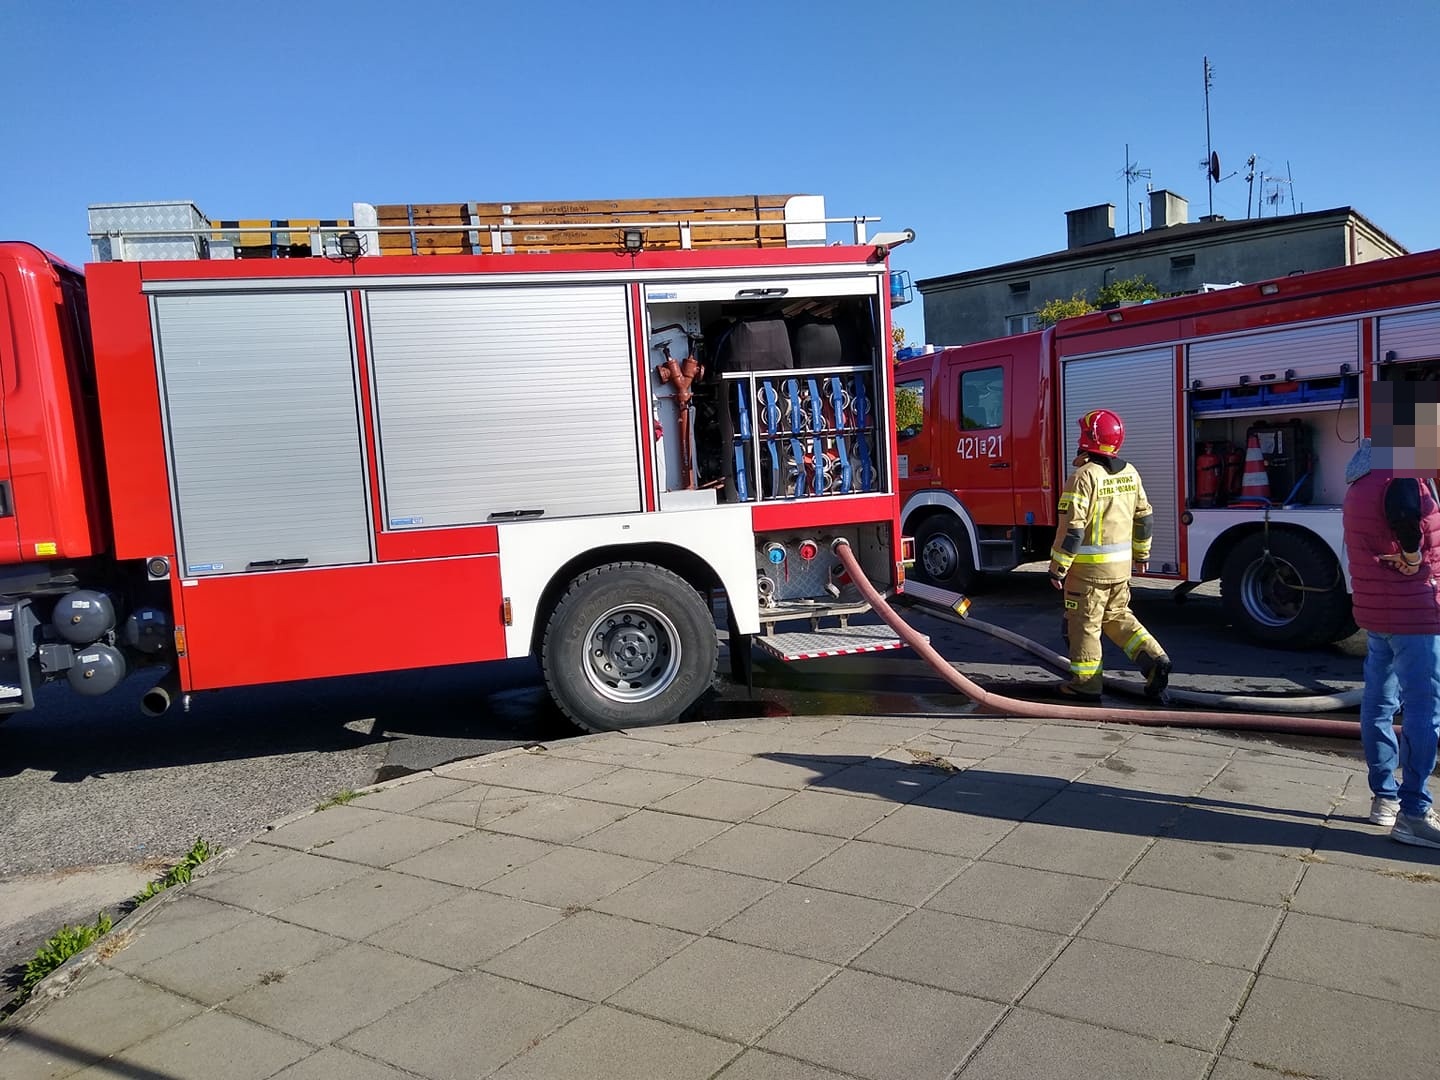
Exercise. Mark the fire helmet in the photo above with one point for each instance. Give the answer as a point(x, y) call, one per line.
point(1101, 432)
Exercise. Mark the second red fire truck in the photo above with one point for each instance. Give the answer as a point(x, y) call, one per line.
point(1241, 406)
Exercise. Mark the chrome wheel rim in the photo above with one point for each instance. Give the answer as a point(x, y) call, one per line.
point(632, 653)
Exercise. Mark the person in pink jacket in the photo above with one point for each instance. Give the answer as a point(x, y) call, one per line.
point(1392, 544)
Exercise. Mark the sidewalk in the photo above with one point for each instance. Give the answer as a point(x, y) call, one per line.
point(892, 898)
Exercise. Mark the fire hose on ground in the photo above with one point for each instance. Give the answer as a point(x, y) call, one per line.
point(1001, 704)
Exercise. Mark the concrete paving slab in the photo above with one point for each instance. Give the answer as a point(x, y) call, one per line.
point(690, 898)
point(1041, 768)
point(107, 1013)
point(812, 922)
point(588, 955)
point(614, 1045)
point(653, 835)
point(1120, 812)
point(988, 794)
point(882, 872)
point(945, 832)
point(760, 1065)
point(969, 956)
point(1032, 1044)
point(696, 761)
point(475, 858)
point(213, 1045)
point(633, 787)
point(888, 784)
point(501, 1019)
point(1397, 900)
point(795, 773)
point(558, 819)
point(1161, 997)
point(1211, 870)
point(391, 840)
point(461, 933)
point(929, 1031)
point(762, 851)
point(722, 800)
point(232, 960)
point(735, 991)
point(845, 816)
point(528, 772)
point(1316, 1031)
point(332, 1064)
point(1200, 928)
point(329, 824)
point(1087, 852)
point(570, 877)
point(1021, 896)
point(477, 805)
point(412, 793)
point(1348, 842)
point(189, 919)
point(328, 998)
point(371, 902)
point(1278, 832)
point(1358, 958)
point(277, 884)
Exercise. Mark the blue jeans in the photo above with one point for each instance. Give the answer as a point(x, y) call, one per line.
point(1401, 668)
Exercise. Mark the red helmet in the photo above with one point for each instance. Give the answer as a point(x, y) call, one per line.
point(1101, 432)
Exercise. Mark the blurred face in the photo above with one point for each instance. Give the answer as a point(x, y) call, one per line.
point(1405, 427)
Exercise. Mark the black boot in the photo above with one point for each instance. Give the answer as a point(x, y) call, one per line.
point(1157, 675)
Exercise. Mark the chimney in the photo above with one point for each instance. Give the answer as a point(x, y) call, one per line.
point(1089, 225)
point(1167, 208)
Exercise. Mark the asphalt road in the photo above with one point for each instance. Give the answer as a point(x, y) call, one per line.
point(91, 783)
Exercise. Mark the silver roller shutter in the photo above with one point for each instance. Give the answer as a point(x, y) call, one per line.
point(503, 399)
point(1140, 386)
point(261, 406)
point(1309, 351)
point(1412, 336)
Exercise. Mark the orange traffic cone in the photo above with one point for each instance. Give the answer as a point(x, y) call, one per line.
point(1255, 483)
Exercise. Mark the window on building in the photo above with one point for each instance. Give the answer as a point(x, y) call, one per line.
point(1182, 262)
point(982, 399)
point(1018, 287)
point(910, 408)
point(1020, 324)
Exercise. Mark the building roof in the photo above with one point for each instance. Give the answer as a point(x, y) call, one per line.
point(1139, 243)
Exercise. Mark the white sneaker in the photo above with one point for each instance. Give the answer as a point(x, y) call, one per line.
point(1420, 831)
point(1384, 811)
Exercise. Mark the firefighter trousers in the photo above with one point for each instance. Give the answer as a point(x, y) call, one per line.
point(1092, 609)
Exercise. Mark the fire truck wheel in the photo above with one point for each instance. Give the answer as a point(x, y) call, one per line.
point(943, 556)
point(1270, 597)
point(629, 645)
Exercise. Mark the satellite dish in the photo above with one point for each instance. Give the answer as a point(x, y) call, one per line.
point(1215, 167)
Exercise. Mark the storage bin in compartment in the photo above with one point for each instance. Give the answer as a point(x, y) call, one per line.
point(1207, 400)
point(1338, 388)
point(1279, 394)
point(1243, 397)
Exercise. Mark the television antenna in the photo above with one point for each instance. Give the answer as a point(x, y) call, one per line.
point(1133, 174)
point(1276, 194)
point(1211, 164)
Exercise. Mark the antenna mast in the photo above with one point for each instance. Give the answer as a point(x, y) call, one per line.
point(1209, 151)
point(1250, 179)
point(1132, 173)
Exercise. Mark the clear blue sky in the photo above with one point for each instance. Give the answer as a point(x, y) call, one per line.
point(976, 123)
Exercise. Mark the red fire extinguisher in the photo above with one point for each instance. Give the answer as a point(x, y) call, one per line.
point(1207, 476)
point(1234, 472)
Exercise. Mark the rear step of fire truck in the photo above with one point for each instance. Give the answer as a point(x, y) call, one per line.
point(846, 640)
point(17, 646)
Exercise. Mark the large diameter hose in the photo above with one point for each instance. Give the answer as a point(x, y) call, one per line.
point(998, 703)
point(1350, 699)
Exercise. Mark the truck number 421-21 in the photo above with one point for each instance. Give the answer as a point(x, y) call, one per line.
point(981, 446)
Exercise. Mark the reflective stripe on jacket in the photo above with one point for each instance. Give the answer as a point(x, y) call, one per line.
point(1105, 523)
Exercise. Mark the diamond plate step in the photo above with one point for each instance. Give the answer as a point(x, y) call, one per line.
point(836, 641)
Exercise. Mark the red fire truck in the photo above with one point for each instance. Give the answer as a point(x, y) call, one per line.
point(244, 470)
point(1277, 372)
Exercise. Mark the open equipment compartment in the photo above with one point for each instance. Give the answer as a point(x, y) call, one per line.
point(783, 384)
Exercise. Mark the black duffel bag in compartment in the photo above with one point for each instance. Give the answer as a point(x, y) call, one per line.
point(819, 342)
point(756, 343)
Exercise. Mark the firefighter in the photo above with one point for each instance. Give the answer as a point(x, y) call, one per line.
point(1105, 525)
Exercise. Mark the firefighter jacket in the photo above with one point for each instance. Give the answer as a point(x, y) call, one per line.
point(1105, 523)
